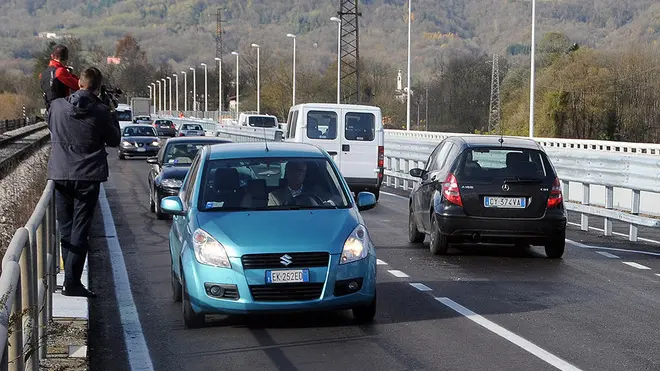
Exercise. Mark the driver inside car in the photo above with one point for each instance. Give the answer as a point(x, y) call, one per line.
point(294, 176)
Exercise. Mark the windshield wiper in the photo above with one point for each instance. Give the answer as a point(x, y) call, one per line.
point(227, 208)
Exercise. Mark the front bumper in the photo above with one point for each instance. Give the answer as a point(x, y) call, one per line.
point(326, 279)
point(140, 151)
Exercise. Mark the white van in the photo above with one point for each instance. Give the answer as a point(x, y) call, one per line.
point(257, 120)
point(352, 134)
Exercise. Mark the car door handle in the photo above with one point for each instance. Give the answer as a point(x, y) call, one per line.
point(346, 147)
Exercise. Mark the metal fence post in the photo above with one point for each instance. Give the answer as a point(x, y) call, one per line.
point(609, 204)
point(584, 225)
point(15, 351)
point(635, 211)
point(26, 299)
point(41, 240)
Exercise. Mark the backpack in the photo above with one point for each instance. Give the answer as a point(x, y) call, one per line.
point(51, 87)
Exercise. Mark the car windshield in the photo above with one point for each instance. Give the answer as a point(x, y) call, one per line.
point(123, 115)
point(271, 184)
point(139, 131)
point(181, 154)
point(191, 127)
point(262, 122)
point(503, 163)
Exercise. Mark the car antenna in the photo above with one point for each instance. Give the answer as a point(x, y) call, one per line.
point(265, 140)
point(501, 140)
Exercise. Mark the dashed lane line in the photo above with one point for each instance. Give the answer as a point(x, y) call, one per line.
point(607, 255)
point(636, 265)
point(510, 336)
point(136, 346)
point(397, 273)
point(380, 262)
point(420, 286)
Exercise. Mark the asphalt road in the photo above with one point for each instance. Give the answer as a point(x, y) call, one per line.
point(478, 308)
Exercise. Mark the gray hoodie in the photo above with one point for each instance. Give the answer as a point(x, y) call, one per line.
point(80, 128)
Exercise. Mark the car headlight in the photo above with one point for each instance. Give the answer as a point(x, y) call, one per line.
point(171, 183)
point(356, 246)
point(208, 251)
point(126, 143)
point(155, 143)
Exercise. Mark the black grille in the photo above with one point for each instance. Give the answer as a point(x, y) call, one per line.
point(298, 260)
point(287, 291)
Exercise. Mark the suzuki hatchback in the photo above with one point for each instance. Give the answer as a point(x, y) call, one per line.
point(488, 189)
point(269, 228)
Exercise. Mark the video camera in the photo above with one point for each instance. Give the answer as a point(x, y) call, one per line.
point(110, 94)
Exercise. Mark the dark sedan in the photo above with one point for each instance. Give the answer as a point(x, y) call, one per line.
point(170, 166)
point(165, 128)
point(139, 140)
point(488, 189)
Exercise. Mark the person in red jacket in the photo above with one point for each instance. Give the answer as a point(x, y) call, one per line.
point(56, 80)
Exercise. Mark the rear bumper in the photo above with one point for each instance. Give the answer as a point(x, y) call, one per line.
point(166, 132)
point(462, 227)
point(364, 184)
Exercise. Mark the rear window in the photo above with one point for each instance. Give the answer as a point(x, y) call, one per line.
point(191, 127)
point(262, 122)
point(360, 126)
point(503, 163)
point(322, 125)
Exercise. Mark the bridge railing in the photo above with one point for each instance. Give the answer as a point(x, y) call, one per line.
point(27, 284)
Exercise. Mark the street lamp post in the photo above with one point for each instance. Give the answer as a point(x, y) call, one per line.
point(531, 78)
point(258, 79)
point(160, 97)
point(293, 101)
point(153, 85)
point(206, 87)
point(185, 91)
point(176, 90)
point(194, 89)
point(219, 86)
point(236, 54)
point(335, 19)
point(164, 94)
point(151, 97)
point(170, 93)
point(408, 75)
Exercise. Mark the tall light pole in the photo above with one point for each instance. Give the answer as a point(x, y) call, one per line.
point(335, 19)
point(185, 91)
point(176, 90)
point(194, 89)
point(160, 97)
point(408, 76)
point(219, 85)
point(164, 94)
point(531, 78)
point(153, 85)
point(170, 93)
point(258, 79)
point(293, 101)
point(206, 87)
point(236, 54)
point(151, 96)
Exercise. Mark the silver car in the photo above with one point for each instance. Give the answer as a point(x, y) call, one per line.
point(190, 130)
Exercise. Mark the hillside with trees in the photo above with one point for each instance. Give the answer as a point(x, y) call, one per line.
point(604, 89)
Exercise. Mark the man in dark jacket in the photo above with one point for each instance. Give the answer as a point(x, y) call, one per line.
point(81, 125)
point(56, 81)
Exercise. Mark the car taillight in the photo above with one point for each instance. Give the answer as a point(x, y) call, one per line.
point(450, 190)
point(556, 198)
point(381, 156)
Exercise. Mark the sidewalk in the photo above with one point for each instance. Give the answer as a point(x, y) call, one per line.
point(67, 309)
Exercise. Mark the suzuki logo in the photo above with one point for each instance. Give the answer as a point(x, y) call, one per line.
point(285, 260)
point(505, 187)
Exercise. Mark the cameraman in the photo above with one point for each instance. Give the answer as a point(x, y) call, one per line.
point(56, 80)
point(81, 125)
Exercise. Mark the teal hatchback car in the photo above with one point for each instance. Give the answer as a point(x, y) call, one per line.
point(269, 228)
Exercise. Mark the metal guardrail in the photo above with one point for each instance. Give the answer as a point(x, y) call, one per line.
point(27, 284)
point(9, 125)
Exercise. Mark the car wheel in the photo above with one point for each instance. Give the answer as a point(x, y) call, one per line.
point(554, 249)
point(439, 243)
point(176, 288)
point(190, 318)
point(121, 155)
point(160, 215)
point(152, 204)
point(366, 313)
point(414, 235)
point(376, 192)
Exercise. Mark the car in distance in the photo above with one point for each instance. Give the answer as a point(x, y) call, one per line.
point(259, 247)
point(188, 129)
point(488, 189)
point(165, 128)
point(145, 120)
point(170, 166)
point(138, 140)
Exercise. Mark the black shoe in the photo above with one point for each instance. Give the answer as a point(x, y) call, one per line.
point(78, 291)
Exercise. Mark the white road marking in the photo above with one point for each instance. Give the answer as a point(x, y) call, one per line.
point(136, 346)
point(615, 233)
point(394, 195)
point(636, 265)
point(380, 262)
point(607, 255)
point(510, 336)
point(397, 273)
point(578, 244)
point(657, 274)
point(420, 286)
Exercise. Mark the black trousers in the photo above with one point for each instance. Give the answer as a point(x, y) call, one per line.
point(75, 202)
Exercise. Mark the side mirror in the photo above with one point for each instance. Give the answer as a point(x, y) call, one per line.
point(366, 201)
point(172, 205)
point(152, 160)
point(278, 136)
point(417, 172)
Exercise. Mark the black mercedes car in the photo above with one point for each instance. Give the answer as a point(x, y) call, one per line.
point(165, 128)
point(488, 189)
point(138, 140)
point(170, 166)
